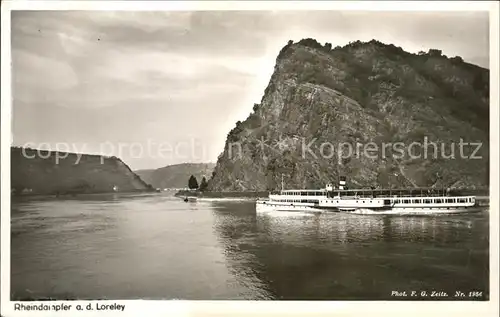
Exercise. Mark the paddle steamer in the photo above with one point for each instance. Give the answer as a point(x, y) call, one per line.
point(409, 201)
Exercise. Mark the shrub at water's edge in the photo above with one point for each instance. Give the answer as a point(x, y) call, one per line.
point(228, 194)
point(177, 175)
point(193, 182)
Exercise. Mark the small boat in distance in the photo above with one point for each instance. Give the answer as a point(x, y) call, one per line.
point(411, 201)
point(190, 199)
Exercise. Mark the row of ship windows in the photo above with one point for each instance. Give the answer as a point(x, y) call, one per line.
point(433, 200)
point(298, 200)
point(304, 193)
point(395, 201)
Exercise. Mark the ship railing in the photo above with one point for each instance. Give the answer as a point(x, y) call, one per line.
point(372, 193)
point(417, 192)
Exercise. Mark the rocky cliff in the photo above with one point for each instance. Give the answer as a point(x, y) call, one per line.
point(379, 115)
point(176, 176)
point(59, 173)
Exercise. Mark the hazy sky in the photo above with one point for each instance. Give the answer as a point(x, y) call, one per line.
point(178, 81)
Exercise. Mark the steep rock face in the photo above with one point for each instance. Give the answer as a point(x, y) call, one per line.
point(176, 176)
point(356, 111)
point(44, 172)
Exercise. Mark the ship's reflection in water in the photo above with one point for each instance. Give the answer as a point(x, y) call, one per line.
point(345, 256)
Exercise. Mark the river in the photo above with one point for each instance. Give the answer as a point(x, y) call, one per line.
point(155, 246)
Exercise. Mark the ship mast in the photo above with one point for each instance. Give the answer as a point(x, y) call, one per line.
point(282, 186)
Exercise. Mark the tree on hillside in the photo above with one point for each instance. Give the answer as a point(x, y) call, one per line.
point(192, 183)
point(457, 59)
point(203, 184)
point(434, 52)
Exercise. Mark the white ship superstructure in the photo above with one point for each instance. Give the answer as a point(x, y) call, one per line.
point(369, 201)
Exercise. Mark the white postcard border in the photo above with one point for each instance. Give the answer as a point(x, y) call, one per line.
point(252, 308)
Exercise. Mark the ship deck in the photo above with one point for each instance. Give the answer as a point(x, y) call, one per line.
point(407, 192)
point(367, 192)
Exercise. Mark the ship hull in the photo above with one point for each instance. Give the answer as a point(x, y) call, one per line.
point(414, 211)
point(267, 206)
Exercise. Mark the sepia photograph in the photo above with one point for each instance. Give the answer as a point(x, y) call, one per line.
point(184, 153)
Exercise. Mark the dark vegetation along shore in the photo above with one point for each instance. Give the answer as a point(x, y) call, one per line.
point(226, 194)
point(175, 176)
point(482, 194)
point(58, 173)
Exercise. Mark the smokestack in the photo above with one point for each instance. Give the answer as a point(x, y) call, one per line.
point(342, 182)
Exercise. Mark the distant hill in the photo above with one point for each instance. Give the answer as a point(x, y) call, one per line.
point(176, 176)
point(321, 98)
point(60, 173)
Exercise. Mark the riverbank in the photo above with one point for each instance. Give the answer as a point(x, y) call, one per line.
point(481, 195)
point(80, 194)
point(220, 195)
point(483, 201)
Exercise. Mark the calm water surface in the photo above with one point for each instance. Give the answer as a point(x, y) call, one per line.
point(158, 247)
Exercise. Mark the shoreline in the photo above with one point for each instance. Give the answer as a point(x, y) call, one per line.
point(479, 193)
point(483, 200)
point(74, 195)
point(222, 195)
point(482, 197)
